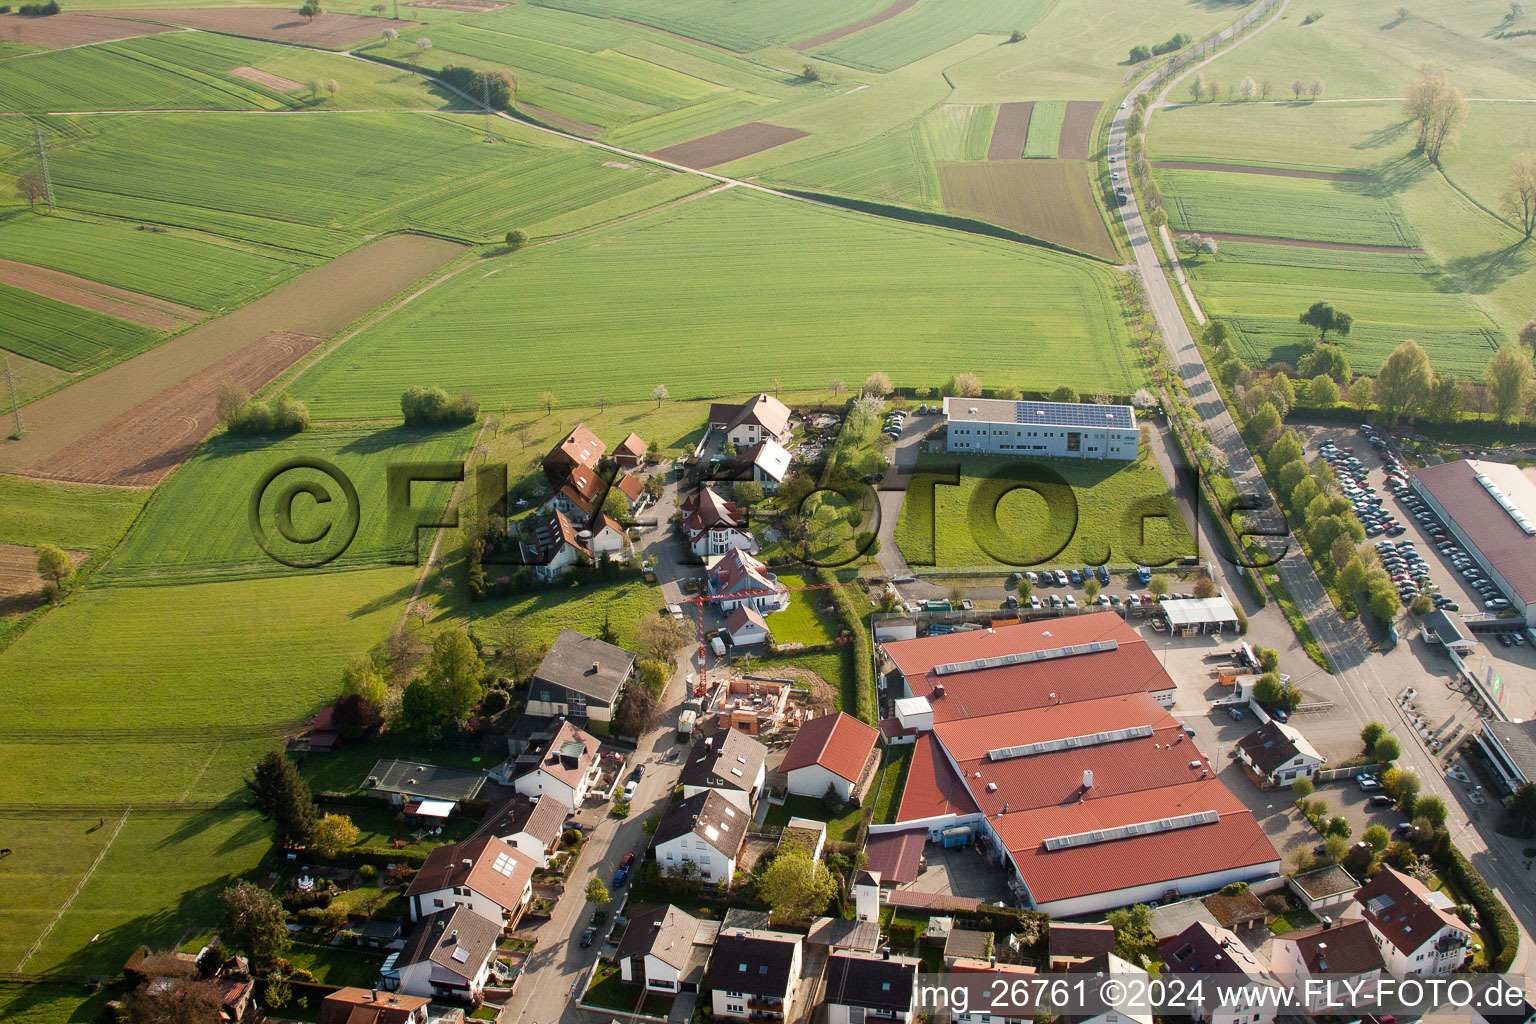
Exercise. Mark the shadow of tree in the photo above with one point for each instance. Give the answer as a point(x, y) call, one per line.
point(1384, 136)
point(1484, 272)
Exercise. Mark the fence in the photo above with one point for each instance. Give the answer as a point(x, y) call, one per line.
point(1330, 774)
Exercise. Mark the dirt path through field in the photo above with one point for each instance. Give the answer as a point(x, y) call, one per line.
point(103, 298)
point(1305, 244)
point(1279, 172)
point(320, 302)
point(890, 12)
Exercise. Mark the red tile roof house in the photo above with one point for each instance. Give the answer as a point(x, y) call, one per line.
point(746, 627)
point(565, 769)
point(1417, 934)
point(714, 526)
point(1052, 742)
point(578, 494)
point(580, 448)
point(369, 1006)
point(744, 425)
point(1345, 953)
point(737, 579)
point(486, 876)
point(831, 751)
point(630, 454)
point(1207, 949)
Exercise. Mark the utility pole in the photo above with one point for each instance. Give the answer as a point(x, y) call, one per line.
point(10, 383)
point(485, 100)
point(42, 161)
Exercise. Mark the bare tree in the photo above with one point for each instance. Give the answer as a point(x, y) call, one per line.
point(523, 435)
point(1197, 86)
point(1315, 88)
point(390, 35)
point(837, 386)
point(1520, 192)
point(29, 186)
point(1298, 87)
point(877, 384)
point(1445, 122)
point(1265, 87)
point(1247, 87)
point(1402, 14)
point(333, 87)
point(548, 401)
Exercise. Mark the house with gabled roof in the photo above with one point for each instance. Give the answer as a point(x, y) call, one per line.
point(631, 487)
point(753, 973)
point(580, 449)
point(665, 949)
point(1416, 929)
point(630, 452)
point(759, 417)
point(580, 676)
point(607, 534)
point(486, 876)
point(532, 826)
point(859, 987)
point(551, 543)
point(714, 526)
point(728, 762)
point(1204, 949)
point(702, 833)
point(448, 956)
point(1333, 955)
point(745, 627)
point(831, 751)
point(564, 767)
point(578, 494)
point(737, 579)
point(767, 462)
point(371, 1006)
point(1279, 754)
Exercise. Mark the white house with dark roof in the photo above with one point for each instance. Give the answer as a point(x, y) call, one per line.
point(1333, 955)
point(448, 956)
point(1065, 430)
point(728, 762)
point(665, 949)
point(762, 416)
point(737, 579)
point(531, 826)
point(1280, 754)
point(405, 781)
point(1205, 949)
point(1511, 750)
point(862, 986)
point(702, 834)
point(581, 677)
point(550, 542)
point(753, 973)
point(714, 526)
point(564, 768)
point(1414, 928)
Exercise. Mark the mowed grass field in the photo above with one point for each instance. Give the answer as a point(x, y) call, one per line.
point(1045, 129)
point(1363, 48)
point(197, 526)
point(734, 26)
point(237, 175)
point(685, 298)
point(192, 70)
point(200, 272)
point(1022, 512)
point(929, 27)
point(1048, 199)
point(897, 168)
point(74, 516)
point(1459, 306)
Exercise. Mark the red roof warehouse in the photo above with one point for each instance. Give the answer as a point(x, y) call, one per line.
point(1052, 740)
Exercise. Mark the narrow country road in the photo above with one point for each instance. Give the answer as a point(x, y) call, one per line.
point(1367, 694)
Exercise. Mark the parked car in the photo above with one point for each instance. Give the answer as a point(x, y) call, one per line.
point(1235, 712)
point(1369, 783)
point(1379, 800)
point(1280, 715)
point(588, 936)
point(628, 860)
point(629, 790)
point(620, 878)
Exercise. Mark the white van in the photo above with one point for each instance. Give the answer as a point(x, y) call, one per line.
point(718, 646)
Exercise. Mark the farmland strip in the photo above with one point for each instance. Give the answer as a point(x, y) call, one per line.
point(102, 298)
point(1280, 172)
point(847, 30)
point(730, 144)
point(1305, 244)
point(1077, 130)
point(1010, 131)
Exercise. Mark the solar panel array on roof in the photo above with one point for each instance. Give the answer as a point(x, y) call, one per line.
point(1025, 657)
point(1507, 504)
point(1074, 414)
point(1142, 828)
point(1067, 743)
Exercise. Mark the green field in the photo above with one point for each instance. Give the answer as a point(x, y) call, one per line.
point(1045, 129)
point(67, 336)
point(1274, 207)
point(894, 168)
point(846, 294)
point(734, 26)
point(197, 526)
point(801, 623)
point(1362, 48)
point(930, 27)
point(74, 516)
point(194, 271)
point(1016, 513)
point(958, 132)
point(235, 175)
point(190, 70)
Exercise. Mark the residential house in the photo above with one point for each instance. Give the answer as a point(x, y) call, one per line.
point(1008, 974)
point(728, 762)
point(486, 876)
point(703, 834)
point(564, 768)
point(767, 462)
point(736, 579)
point(630, 453)
point(530, 826)
point(551, 544)
point(580, 449)
point(746, 627)
point(581, 677)
point(861, 986)
point(1205, 949)
point(1279, 754)
point(448, 956)
point(1072, 943)
point(608, 536)
point(630, 486)
point(713, 526)
point(829, 752)
point(1105, 968)
point(1417, 930)
point(665, 950)
point(371, 1006)
point(753, 974)
point(406, 781)
point(755, 419)
point(578, 494)
point(1346, 953)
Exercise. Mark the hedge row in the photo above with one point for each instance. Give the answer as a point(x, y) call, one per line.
point(847, 604)
point(1497, 923)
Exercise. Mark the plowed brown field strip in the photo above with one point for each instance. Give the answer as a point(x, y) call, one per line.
point(329, 29)
point(58, 31)
point(856, 26)
point(266, 78)
point(1076, 140)
point(730, 144)
point(1010, 131)
point(103, 298)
